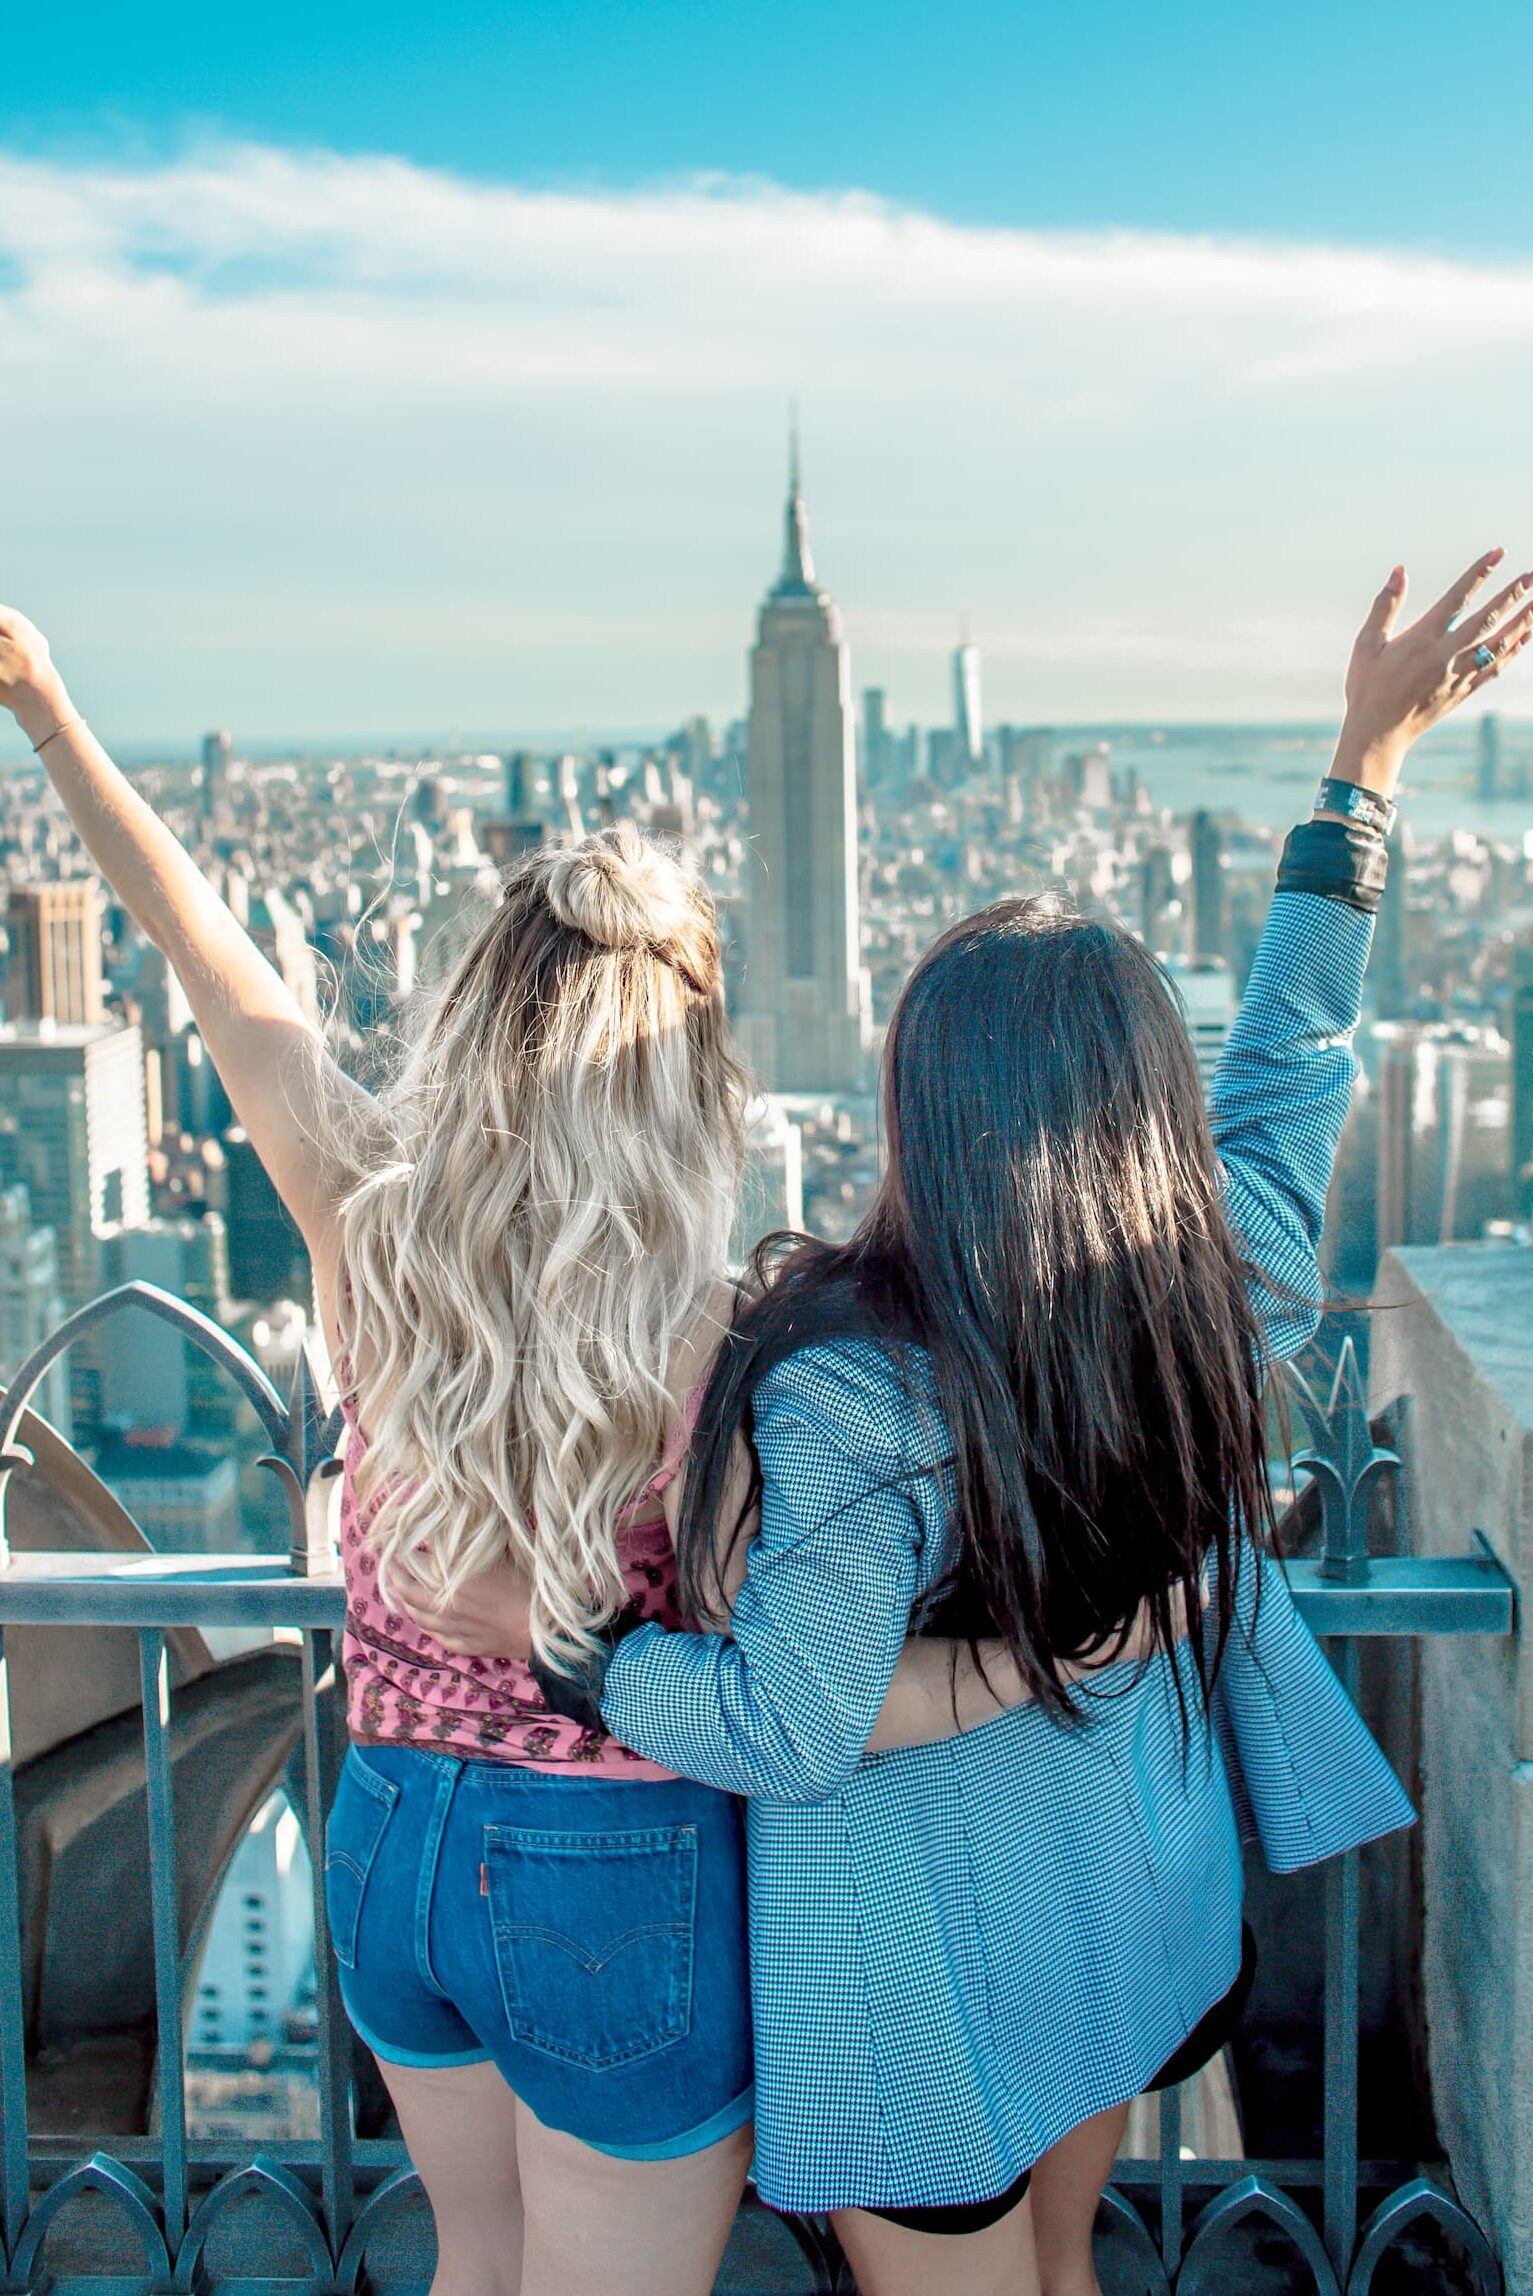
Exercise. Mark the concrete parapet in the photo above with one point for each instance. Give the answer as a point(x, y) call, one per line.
point(1453, 1332)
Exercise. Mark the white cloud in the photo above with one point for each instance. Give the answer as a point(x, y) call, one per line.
point(336, 444)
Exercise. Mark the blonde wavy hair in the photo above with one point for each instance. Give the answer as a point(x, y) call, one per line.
point(544, 1217)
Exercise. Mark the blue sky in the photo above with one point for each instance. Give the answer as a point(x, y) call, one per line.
point(1330, 119)
point(403, 370)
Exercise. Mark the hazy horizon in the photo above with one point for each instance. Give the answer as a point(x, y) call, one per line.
point(1445, 751)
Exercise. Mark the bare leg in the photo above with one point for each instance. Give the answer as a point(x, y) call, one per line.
point(601, 2227)
point(1067, 2185)
point(459, 2126)
point(891, 2261)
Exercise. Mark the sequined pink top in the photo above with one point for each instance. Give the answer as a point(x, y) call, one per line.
point(404, 1689)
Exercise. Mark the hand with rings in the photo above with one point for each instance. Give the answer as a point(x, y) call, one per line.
point(1401, 681)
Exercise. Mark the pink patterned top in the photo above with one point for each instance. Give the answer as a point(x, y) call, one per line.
point(404, 1689)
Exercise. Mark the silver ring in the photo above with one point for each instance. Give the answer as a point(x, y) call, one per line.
point(1485, 657)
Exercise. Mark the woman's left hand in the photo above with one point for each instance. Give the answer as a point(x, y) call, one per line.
point(490, 1616)
point(1401, 681)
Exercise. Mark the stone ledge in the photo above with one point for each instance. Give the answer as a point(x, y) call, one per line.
point(1453, 1332)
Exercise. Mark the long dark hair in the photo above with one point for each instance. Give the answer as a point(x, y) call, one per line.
point(1049, 1229)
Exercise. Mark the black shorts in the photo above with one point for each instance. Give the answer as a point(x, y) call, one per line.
point(1201, 2046)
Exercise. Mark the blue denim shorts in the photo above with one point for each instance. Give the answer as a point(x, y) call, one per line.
point(586, 1935)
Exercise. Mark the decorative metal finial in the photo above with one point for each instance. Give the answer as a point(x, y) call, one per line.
point(1345, 1463)
point(303, 1439)
point(307, 1466)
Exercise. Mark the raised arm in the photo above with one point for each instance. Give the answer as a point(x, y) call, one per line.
point(267, 1051)
point(1284, 1082)
point(1280, 1097)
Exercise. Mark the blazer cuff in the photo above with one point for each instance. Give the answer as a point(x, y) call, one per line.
point(1340, 860)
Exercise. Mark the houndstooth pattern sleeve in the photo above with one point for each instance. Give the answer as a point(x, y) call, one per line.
point(1280, 1097)
point(785, 1704)
point(1306, 1776)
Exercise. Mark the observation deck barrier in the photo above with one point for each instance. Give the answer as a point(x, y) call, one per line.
point(340, 2196)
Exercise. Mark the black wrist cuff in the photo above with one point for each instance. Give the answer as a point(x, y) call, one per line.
point(578, 1696)
point(1338, 859)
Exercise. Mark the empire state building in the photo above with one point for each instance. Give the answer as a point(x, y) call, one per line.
point(803, 1020)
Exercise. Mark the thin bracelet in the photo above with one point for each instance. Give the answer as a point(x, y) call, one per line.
point(68, 726)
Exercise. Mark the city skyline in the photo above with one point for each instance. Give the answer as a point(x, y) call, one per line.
point(394, 405)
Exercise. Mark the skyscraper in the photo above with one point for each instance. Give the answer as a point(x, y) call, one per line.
point(1207, 992)
point(520, 830)
point(217, 750)
point(1471, 1086)
point(72, 1133)
point(1026, 756)
point(804, 995)
point(1403, 1135)
point(521, 784)
point(1157, 897)
point(1086, 779)
point(154, 1380)
point(695, 750)
point(259, 1960)
point(54, 972)
point(1208, 896)
point(30, 1306)
point(968, 710)
point(875, 737)
point(1390, 971)
point(772, 1191)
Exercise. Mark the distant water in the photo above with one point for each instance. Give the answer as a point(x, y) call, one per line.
point(1264, 774)
point(1267, 775)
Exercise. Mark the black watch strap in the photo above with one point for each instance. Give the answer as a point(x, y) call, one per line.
point(1354, 803)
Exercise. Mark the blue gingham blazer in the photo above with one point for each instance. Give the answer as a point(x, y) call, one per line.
point(959, 1951)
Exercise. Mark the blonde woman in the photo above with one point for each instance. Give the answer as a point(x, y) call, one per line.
point(516, 1252)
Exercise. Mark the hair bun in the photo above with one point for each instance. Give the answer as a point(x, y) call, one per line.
point(623, 892)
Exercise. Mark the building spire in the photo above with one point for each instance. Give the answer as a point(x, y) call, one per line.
point(797, 564)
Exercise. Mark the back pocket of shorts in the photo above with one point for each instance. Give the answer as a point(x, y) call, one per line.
point(364, 1803)
point(593, 1938)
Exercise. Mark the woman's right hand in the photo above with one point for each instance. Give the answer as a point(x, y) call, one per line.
point(489, 1617)
point(1400, 682)
point(30, 686)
